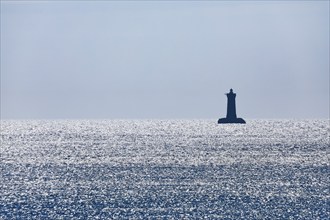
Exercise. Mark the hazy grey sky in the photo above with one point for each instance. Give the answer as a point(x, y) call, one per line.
point(164, 59)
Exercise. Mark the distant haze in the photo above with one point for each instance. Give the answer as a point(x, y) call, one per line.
point(164, 59)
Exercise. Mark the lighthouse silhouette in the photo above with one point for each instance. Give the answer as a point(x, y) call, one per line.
point(231, 110)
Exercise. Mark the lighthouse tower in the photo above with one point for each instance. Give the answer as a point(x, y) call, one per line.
point(231, 110)
point(231, 105)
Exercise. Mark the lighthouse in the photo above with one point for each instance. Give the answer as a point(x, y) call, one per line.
point(231, 110)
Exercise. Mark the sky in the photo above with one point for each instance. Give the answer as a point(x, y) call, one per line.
point(164, 59)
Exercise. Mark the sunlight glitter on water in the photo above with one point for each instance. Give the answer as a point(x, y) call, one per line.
point(164, 169)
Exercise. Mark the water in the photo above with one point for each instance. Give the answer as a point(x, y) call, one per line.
point(176, 169)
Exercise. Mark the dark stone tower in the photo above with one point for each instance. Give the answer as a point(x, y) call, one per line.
point(231, 110)
point(231, 105)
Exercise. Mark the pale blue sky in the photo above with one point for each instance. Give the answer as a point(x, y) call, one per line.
point(164, 59)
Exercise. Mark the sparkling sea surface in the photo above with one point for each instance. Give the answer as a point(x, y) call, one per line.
point(164, 169)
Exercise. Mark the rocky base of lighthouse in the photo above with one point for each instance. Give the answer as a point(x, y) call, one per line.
point(231, 120)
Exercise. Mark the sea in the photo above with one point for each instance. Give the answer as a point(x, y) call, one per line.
point(164, 169)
